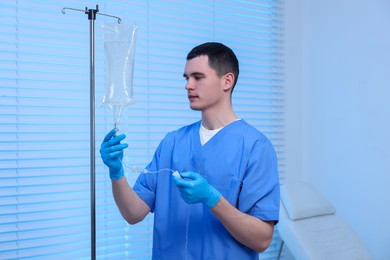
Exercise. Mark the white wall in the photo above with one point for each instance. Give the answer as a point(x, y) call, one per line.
point(341, 103)
point(293, 89)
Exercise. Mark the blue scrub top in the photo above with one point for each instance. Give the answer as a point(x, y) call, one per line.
point(239, 161)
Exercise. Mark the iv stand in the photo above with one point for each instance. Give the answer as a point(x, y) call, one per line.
point(92, 17)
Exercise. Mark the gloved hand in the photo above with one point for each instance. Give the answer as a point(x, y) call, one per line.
point(194, 188)
point(111, 151)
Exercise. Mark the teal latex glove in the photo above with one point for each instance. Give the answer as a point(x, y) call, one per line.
point(194, 188)
point(111, 151)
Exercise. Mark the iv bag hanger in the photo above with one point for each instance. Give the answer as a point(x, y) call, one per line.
point(92, 17)
point(91, 13)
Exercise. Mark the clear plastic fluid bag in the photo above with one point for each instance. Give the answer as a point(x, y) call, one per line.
point(119, 54)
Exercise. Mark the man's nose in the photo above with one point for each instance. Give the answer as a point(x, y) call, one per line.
point(189, 85)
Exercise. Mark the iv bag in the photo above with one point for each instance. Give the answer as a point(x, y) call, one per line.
point(119, 52)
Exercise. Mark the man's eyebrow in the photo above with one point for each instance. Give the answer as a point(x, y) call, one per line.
point(194, 74)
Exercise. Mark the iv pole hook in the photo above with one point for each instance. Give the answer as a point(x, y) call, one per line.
point(94, 12)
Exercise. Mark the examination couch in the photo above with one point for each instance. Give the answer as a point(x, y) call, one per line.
point(310, 228)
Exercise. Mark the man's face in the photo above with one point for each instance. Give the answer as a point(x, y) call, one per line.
point(204, 87)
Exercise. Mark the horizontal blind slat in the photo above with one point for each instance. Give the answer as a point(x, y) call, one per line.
point(44, 136)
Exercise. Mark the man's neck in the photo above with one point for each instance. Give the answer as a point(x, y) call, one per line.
point(215, 121)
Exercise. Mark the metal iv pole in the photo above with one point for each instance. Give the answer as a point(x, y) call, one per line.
point(92, 17)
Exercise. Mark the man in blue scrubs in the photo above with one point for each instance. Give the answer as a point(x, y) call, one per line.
point(225, 203)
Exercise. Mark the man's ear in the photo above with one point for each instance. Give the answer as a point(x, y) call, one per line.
point(228, 81)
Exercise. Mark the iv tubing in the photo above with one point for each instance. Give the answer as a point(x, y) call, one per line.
point(137, 169)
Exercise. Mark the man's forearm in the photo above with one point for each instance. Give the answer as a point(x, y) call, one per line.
point(248, 230)
point(131, 206)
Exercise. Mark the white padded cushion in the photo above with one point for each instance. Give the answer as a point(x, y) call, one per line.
point(326, 237)
point(301, 200)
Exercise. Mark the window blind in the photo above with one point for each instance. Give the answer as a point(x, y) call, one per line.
point(44, 133)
